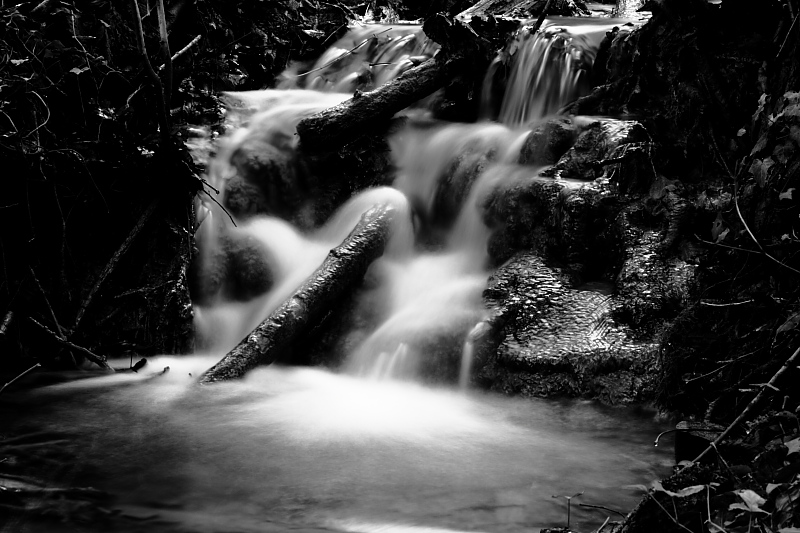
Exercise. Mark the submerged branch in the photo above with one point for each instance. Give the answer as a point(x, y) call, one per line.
point(341, 271)
point(99, 360)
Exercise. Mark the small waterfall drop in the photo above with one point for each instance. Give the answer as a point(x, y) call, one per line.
point(366, 57)
point(547, 69)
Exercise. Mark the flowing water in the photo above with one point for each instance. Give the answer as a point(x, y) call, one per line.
point(305, 449)
point(368, 448)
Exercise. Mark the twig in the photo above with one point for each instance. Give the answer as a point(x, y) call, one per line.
point(59, 330)
point(787, 34)
point(674, 519)
point(728, 246)
point(739, 211)
point(162, 33)
point(46, 301)
point(221, 207)
point(750, 406)
point(42, 6)
point(623, 515)
point(182, 51)
point(337, 58)
point(34, 130)
point(542, 16)
point(31, 369)
point(726, 363)
point(99, 360)
point(163, 119)
point(729, 304)
point(113, 263)
point(599, 529)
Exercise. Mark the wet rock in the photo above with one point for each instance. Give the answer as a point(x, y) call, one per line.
point(249, 269)
point(558, 218)
point(244, 199)
point(548, 142)
point(595, 148)
point(652, 287)
point(562, 341)
point(454, 187)
point(238, 269)
point(261, 161)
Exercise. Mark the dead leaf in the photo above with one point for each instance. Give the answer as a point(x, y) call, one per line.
point(793, 445)
point(752, 502)
point(773, 486)
point(787, 195)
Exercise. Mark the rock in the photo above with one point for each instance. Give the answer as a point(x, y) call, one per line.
point(238, 269)
point(261, 161)
point(595, 146)
point(561, 341)
point(652, 287)
point(548, 142)
point(249, 269)
point(244, 199)
point(556, 218)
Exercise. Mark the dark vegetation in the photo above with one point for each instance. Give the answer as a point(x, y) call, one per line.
point(97, 219)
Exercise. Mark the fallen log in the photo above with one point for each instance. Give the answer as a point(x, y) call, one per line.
point(338, 125)
point(344, 268)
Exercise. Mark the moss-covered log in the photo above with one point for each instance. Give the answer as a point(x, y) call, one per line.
point(335, 127)
point(341, 271)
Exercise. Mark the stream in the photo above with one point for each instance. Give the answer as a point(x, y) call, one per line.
point(366, 447)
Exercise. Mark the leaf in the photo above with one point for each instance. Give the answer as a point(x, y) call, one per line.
point(786, 195)
point(752, 501)
point(17, 62)
point(793, 445)
point(773, 486)
point(760, 145)
point(718, 228)
point(790, 324)
point(741, 132)
point(784, 152)
point(760, 169)
point(77, 71)
point(789, 530)
point(687, 491)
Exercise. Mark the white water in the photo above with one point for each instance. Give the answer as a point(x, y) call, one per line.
point(366, 57)
point(305, 449)
point(548, 69)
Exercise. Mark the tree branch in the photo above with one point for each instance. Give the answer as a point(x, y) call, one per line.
point(163, 118)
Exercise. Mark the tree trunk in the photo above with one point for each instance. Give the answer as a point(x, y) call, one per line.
point(341, 271)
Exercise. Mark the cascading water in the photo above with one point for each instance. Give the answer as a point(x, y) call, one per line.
point(367, 57)
point(307, 448)
point(548, 69)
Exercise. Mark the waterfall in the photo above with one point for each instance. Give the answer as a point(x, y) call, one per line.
point(547, 69)
point(366, 57)
point(426, 293)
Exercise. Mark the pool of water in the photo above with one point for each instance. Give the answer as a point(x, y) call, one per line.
point(301, 448)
